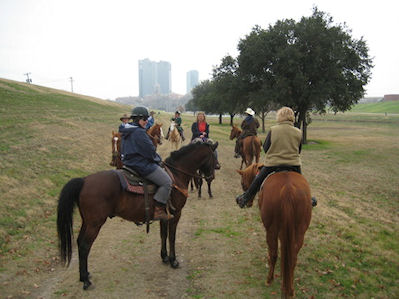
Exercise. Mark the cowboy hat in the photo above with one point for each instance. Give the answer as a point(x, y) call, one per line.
point(249, 111)
point(125, 116)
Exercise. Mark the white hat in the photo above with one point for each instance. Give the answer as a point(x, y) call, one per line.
point(249, 111)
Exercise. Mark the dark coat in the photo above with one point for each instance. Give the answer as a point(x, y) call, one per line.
point(138, 150)
point(196, 132)
point(249, 126)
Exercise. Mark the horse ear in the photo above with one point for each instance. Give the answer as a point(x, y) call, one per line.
point(215, 145)
point(240, 172)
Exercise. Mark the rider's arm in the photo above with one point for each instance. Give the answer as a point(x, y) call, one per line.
point(195, 130)
point(268, 142)
point(145, 145)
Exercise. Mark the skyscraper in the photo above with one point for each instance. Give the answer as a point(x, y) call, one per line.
point(154, 77)
point(192, 80)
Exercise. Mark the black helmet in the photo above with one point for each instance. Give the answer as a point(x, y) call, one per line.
point(140, 112)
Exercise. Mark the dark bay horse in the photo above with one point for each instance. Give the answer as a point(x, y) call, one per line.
point(155, 133)
point(286, 209)
point(250, 149)
point(100, 195)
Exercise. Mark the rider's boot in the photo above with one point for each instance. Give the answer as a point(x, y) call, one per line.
point(160, 212)
point(314, 201)
point(217, 165)
point(182, 135)
point(253, 189)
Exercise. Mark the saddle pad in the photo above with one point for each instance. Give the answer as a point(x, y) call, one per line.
point(134, 184)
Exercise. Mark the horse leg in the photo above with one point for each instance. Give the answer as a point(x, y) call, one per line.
point(172, 240)
point(209, 188)
point(199, 187)
point(86, 238)
point(272, 244)
point(164, 236)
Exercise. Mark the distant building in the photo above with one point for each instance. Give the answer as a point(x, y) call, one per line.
point(154, 78)
point(391, 97)
point(192, 80)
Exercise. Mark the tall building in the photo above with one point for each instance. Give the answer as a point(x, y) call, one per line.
point(154, 78)
point(192, 80)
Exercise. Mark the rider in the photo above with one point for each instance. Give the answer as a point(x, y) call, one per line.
point(140, 155)
point(150, 120)
point(200, 129)
point(282, 146)
point(125, 121)
point(248, 126)
point(177, 120)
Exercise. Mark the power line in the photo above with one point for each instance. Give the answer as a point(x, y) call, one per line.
point(28, 80)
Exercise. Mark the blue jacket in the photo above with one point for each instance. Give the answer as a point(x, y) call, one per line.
point(150, 123)
point(138, 150)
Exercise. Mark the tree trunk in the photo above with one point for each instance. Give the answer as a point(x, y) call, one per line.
point(304, 131)
point(263, 116)
point(231, 118)
point(220, 118)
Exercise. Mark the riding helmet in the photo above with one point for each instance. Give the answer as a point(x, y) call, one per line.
point(140, 112)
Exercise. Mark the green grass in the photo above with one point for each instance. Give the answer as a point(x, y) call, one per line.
point(380, 107)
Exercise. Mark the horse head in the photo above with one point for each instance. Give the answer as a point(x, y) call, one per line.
point(156, 134)
point(235, 132)
point(116, 149)
point(247, 177)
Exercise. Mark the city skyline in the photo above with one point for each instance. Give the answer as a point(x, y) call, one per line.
point(96, 45)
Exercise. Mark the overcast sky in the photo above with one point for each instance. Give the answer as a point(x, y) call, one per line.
point(99, 43)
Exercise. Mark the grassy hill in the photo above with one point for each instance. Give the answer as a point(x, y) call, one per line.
point(380, 107)
point(351, 248)
point(46, 137)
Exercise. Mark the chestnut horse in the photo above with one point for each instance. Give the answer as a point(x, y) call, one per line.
point(286, 209)
point(155, 133)
point(99, 196)
point(250, 149)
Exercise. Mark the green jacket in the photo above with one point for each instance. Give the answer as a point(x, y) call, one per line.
point(285, 145)
point(177, 120)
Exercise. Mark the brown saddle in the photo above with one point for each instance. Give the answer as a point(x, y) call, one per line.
point(132, 182)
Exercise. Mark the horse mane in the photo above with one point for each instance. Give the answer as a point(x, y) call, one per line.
point(175, 155)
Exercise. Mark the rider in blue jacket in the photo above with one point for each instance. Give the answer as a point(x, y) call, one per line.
point(140, 155)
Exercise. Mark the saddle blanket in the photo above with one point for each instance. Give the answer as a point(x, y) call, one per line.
point(132, 182)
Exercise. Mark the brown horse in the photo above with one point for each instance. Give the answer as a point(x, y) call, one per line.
point(100, 196)
point(155, 133)
point(286, 209)
point(250, 149)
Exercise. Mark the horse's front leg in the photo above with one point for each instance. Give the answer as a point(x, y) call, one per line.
point(172, 240)
point(164, 236)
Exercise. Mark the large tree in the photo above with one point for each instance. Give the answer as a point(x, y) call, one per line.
point(307, 65)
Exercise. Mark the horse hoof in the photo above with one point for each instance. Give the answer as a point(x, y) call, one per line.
point(174, 264)
point(86, 285)
point(165, 260)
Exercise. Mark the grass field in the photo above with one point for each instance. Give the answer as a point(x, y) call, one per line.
point(351, 162)
point(380, 107)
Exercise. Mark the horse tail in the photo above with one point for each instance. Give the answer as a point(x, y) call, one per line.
point(68, 197)
point(287, 237)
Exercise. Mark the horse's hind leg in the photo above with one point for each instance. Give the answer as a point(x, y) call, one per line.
point(199, 183)
point(272, 244)
point(209, 188)
point(164, 236)
point(87, 235)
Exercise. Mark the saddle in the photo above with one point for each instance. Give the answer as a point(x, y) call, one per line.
point(132, 182)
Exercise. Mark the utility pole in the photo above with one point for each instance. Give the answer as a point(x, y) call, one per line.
point(28, 80)
point(70, 78)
